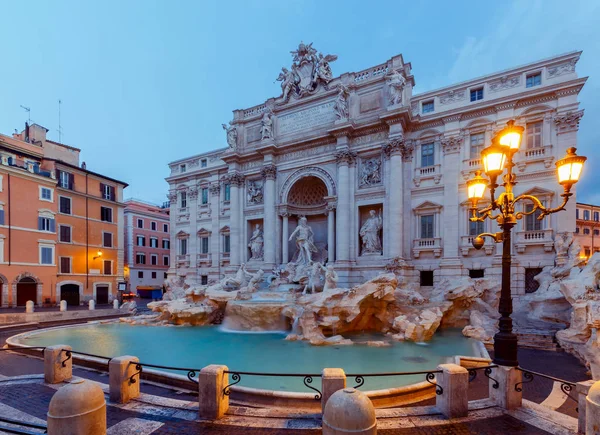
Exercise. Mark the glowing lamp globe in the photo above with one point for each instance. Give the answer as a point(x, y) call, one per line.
point(476, 187)
point(569, 168)
point(494, 159)
point(511, 136)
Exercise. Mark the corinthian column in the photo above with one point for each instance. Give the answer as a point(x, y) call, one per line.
point(345, 158)
point(285, 234)
point(331, 232)
point(215, 190)
point(235, 219)
point(269, 173)
point(394, 150)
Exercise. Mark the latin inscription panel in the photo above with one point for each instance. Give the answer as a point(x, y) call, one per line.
point(306, 119)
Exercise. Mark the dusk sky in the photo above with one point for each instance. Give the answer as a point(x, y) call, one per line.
point(146, 82)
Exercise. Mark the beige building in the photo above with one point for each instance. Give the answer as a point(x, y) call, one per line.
point(587, 231)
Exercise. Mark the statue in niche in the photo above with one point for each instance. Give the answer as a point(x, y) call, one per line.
point(314, 277)
point(288, 81)
point(304, 242)
point(240, 279)
point(369, 233)
point(331, 278)
point(255, 192)
point(396, 82)
point(371, 172)
point(266, 126)
point(341, 103)
point(232, 136)
point(256, 243)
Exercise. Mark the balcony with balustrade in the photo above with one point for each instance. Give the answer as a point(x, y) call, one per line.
point(433, 245)
point(203, 260)
point(466, 246)
point(428, 172)
point(525, 239)
point(183, 260)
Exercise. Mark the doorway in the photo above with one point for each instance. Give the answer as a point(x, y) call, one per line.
point(70, 293)
point(26, 291)
point(102, 295)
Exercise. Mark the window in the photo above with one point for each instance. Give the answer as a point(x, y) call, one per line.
point(227, 192)
point(596, 232)
point(107, 269)
point(183, 247)
point(153, 226)
point(65, 265)
point(65, 205)
point(46, 194)
point(153, 275)
point(576, 213)
point(182, 168)
point(106, 214)
point(165, 228)
point(107, 192)
point(531, 285)
point(205, 195)
point(140, 258)
point(577, 230)
point(587, 251)
point(1, 215)
point(476, 273)
point(107, 240)
point(226, 243)
point(64, 233)
point(586, 231)
point(65, 180)
point(140, 223)
point(476, 94)
point(46, 224)
point(204, 245)
point(531, 221)
point(203, 163)
point(427, 227)
point(166, 244)
point(534, 134)
point(427, 107)
point(182, 199)
point(477, 142)
point(427, 157)
point(165, 260)
point(532, 80)
point(153, 242)
point(476, 228)
point(426, 278)
point(141, 240)
point(586, 215)
point(46, 254)
point(165, 275)
point(140, 274)
point(203, 279)
point(596, 216)
point(154, 260)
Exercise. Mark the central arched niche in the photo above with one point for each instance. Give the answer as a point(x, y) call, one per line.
point(307, 197)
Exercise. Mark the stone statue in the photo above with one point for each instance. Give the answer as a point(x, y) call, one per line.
point(266, 125)
point(240, 279)
point(396, 82)
point(369, 232)
point(371, 172)
point(304, 242)
point(256, 243)
point(232, 136)
point(255, 192)
point(331, 278)
point(288, 81)
point(341, 104)
point(323, 70)
point(255, 281)
point(314, 277)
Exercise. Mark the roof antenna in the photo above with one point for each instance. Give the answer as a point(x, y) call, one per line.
point(28, 110)
point(59, 126)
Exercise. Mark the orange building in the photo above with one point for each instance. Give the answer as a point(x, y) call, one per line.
point(61, 225)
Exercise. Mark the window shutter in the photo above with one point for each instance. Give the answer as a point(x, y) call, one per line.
point(143, 241)
point(102, 189)
point(1, 217)
point(112, 193)
point(71, 181)
point(40, 223)
point(57, 172)
point(52, 225)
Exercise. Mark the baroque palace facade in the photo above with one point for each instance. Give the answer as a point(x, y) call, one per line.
point(378, 173)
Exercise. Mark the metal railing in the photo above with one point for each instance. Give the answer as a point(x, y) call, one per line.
point(487, 371)
point(429, 377)
point(69, 355)
point(565, 386)
point(307, 380)
point(191, 373)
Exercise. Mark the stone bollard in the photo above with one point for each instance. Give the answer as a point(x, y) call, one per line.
point(454, 400)
point(122, 386)
point(63, 305)
point(116, 304)
point(211, 381)
point(583, 389)
point(592, 410)
point(505, 395)
point(349, 411)
point(77, 408)
point(92, 305)
point(333, 380)
point(29, 307)
point(54, 372)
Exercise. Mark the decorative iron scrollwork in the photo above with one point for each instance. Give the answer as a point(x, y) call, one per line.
point(236, 380)
point(308, 380)
point(191, 375)
point(360, 381)
point(528, 378)
point(438, 388)
point(472, 374)
point(69, 355)
point(132, 379)
point(487, 372)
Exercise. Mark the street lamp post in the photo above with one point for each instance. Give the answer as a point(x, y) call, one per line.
point(497, 158)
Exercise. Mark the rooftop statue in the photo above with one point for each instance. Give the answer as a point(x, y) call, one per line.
point(232, 136)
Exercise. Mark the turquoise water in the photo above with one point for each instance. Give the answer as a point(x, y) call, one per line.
point(196, 347)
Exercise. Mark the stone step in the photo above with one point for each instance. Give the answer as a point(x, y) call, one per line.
point(538, 341)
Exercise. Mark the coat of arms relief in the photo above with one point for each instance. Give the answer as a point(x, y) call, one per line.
point(308, 71)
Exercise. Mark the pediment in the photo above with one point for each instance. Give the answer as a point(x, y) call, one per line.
point(204, 232)
point(225, 229)
point(182, 235)
point(539, 191)
point(428, 205)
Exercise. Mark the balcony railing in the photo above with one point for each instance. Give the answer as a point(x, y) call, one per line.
point(183, 260)
point(466, 245)
point(427, 245)
point(427, 171)
point(472, 163)
point(535, 237)
point(203, 259)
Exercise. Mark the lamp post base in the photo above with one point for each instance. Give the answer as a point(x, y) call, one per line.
point(505, 349)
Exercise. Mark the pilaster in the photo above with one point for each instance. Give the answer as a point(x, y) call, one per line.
point(269, 173)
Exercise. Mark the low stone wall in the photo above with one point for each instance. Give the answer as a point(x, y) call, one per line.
point(59, 316)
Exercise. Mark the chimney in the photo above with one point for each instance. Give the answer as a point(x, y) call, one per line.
point(37, 134)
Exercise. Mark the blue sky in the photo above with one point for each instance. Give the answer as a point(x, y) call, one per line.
point(147, 82)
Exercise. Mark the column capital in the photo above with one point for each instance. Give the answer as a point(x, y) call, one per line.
point(452, 144)
point(398, 145)
point(192, 192)
point(269, 172)
point(568, 121)
point(215, 189)
point(236, 179)
point(345, 156)
point(172, 196)
point(283, 211)
point(331, 206)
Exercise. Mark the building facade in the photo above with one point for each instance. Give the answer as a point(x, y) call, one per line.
point(587, 231)
point(378, 173)
point(147, 244)
point(61, 225)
